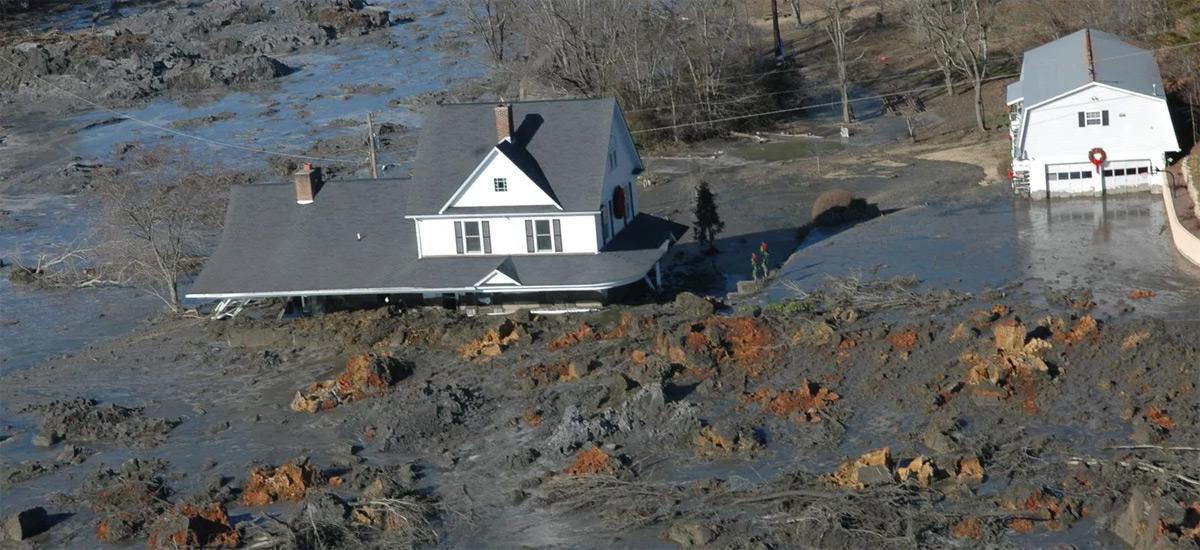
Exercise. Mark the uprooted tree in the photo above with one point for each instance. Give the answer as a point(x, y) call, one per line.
point(708, 222)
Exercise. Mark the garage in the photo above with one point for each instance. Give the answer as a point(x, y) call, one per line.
point(1123, 173)
point(1075, 177)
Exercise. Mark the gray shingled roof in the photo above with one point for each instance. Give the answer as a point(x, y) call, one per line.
point(273, 246)
point(565, 144)
point(1060, 66)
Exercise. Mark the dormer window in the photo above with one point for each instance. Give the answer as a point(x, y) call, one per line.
point(500, 185)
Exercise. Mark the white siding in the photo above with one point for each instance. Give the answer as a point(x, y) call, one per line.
point(622, 175)
point(508, 234)
point(1139, 128)
point(480, 190)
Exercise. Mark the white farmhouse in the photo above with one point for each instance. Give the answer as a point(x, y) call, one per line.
point(1089, 116)
point(508, 205)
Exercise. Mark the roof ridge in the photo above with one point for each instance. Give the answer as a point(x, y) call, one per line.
point(1089, 56)
point(528, 101)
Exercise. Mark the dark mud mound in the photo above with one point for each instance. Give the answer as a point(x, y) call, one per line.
point(186, 48)
point(84, 420)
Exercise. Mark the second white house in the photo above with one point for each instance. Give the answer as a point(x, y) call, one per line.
point(1089, 116)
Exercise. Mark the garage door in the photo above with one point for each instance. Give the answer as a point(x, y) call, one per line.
point(1126, 172)
point(1070, 175)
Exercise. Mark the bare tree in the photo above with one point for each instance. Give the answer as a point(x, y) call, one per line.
point(971, 55)
point(159, 215)
point(930, 30)
point(835, 27)
point(796, 11)
point(673, 65)
point(489, 20)
point(956, 33)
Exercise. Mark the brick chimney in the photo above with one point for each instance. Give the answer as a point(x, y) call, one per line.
point(504, 127)
point(307, 181)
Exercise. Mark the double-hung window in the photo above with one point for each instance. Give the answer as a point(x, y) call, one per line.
point(472, 237)
point(543, 236)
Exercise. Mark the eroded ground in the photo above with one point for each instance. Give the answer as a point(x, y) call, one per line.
point(812, 423)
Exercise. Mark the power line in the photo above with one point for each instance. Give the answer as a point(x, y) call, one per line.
point(802, 108)
point(881, 96)
point(171, 130)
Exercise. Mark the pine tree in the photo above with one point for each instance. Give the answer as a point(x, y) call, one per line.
point(708, 223)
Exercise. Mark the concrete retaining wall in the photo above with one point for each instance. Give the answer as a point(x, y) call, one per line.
point(1185, 241)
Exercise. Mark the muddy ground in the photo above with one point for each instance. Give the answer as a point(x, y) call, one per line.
point(633, 426)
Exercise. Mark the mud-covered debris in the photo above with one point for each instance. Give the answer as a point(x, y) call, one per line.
point(1148, 521)
point(968, 528)
point(1159, 419)
point(961, 332)
point(406, 517)
point(583, 333)
point(1134, 339)
point(1085, 328)
point(904, 340)
point(813, 334)
point(593, 461)
point(24, 524)
point(85, 420)
point(1008, 370)
point(1046, 507)
point(920, 469)
point(622, 329)
point(493, 342)
point(1140, 294)
point(1189, 528)
point(726, 440)
point(805, 404)
point(546, 374)
point(969, 470)
point(288, 482)
point(691, 535)
point(128, 499)
point(366, 375)
point(25, 471)
point(191, 526)
point(872, 468)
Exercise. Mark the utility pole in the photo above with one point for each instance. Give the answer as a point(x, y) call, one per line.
point(775, 23)
point(371, 147)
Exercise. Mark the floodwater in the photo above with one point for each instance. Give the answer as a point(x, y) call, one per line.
point(37, 323)
point(288, 117)
point(1108, 246)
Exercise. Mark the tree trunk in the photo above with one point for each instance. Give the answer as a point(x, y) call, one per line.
point(979, 102)
point(796, 11)
point(837, 35)
point(948, 76)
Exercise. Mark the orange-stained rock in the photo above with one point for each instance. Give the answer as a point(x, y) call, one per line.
point(493, 342)
point(969, 470)
point(288, 482)
point(850, 474)
point(195, 527)
point(968, 528)
point(804, 404)
point(583, 333)
point(919, 468)
point(592, 461)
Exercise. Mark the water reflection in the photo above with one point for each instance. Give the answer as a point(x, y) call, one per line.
point(1109, 246)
